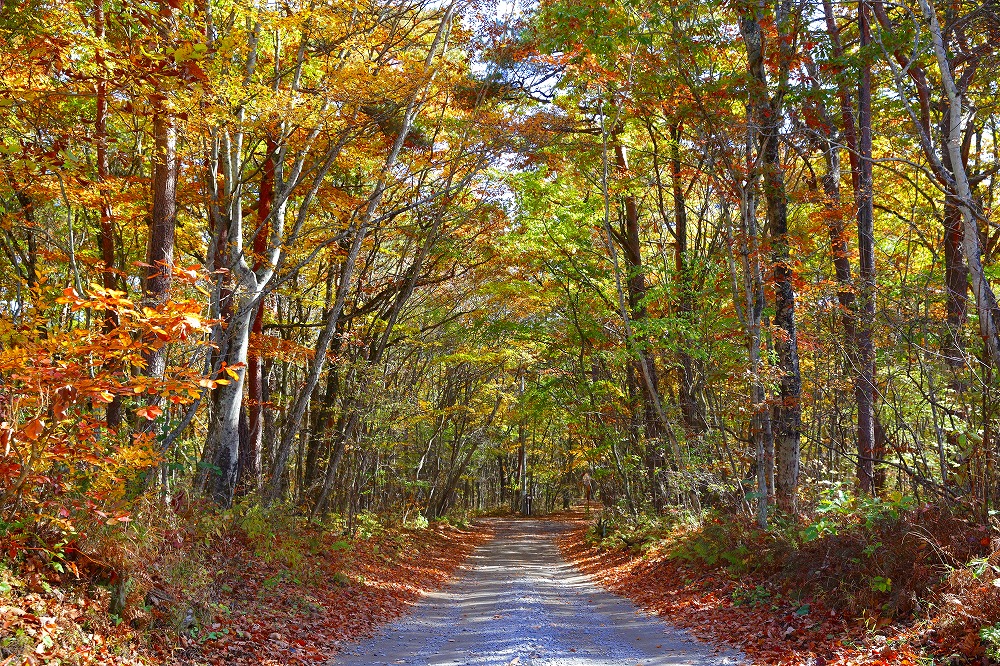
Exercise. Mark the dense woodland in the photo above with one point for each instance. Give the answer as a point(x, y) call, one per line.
point(416, 259)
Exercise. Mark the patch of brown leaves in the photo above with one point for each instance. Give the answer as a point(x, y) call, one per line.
point(265, 617)
point(239, 606)
point(776, 632)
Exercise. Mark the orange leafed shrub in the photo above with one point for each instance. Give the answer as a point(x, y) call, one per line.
point(57, 456)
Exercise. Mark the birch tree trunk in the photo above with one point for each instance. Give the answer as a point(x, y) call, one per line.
point(986, 302)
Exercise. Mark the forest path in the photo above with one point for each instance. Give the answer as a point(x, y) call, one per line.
point(517, 601)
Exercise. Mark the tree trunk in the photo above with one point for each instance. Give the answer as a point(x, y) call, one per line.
point(163, 220)
point(986, 302)
point(113, 411)
point(864, 387)
point(249, 476)
point(629, 239)
point(766, 116)
point(831, 188)
point(229, 406)
point(694, 417)
point(752, 298)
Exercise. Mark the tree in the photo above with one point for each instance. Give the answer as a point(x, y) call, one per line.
point(766, 112)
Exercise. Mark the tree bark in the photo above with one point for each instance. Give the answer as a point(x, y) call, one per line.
point(864, 387)
point(163, 221)
point(113, 411)
point(766, 116)
point(249, 476)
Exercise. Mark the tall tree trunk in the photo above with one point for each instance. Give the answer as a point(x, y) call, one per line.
point(251, 285)
point(113, 413)
point(751, 297)
point(163, 220)
point(986, 302)
point(864, 387)
point(249, 476)
point(766, 116)
point(694, 418)
point(831, 187)
point(628, 237)
point(858, 315)
point(222, 311)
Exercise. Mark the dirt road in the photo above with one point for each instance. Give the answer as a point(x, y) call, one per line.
point(517, 602)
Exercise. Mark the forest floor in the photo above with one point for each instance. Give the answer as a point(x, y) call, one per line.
point(518, 601)
point(269, 616)
point(230, 599)
point(741, 611)
point(502, 592)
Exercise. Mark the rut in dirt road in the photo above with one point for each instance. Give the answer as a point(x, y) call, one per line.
point(516, 601)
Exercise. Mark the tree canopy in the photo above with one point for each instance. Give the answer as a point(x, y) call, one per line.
point(418, 258)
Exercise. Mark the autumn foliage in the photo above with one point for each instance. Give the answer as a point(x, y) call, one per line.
point(60, 460)
point(323, 265)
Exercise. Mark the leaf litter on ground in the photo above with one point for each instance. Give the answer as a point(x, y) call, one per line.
point(777, 633)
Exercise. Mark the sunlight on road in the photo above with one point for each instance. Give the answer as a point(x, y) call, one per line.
point(518, 603)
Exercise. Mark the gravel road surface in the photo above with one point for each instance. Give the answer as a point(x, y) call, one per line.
point(517, 602)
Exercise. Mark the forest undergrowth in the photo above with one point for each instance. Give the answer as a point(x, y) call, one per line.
point(869, 582)
point(244, 586)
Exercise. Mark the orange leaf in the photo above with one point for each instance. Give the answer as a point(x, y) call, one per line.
point(33, 429)
point(149, 412)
